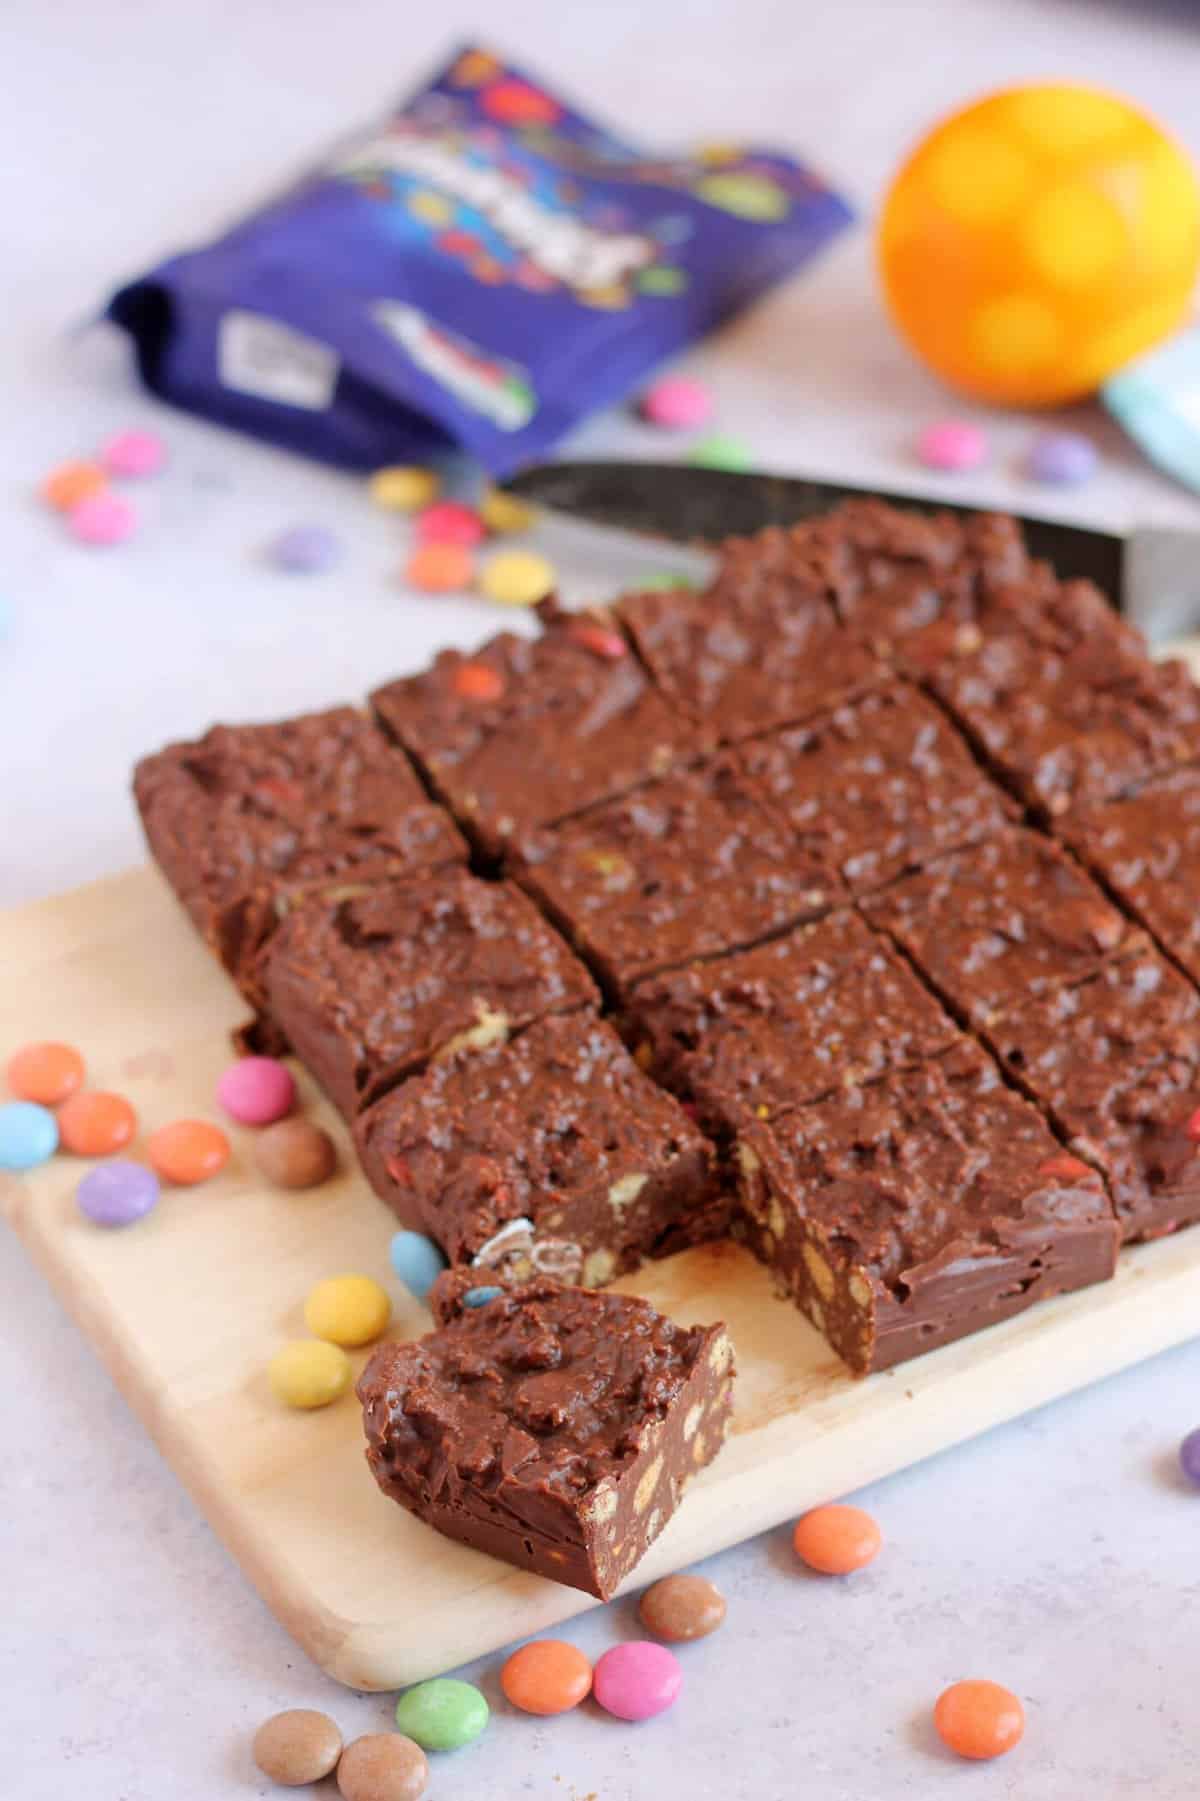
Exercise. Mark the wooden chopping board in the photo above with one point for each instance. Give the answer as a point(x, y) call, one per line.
point(186, 1308)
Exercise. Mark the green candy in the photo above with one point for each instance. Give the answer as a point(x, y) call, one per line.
point(443, 1714)
point(663, 580)
point(720, 453)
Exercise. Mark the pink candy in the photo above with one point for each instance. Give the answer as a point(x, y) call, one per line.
point(450, 522)
point(952, 444)
point(134, 453)
point(256, 1091)
point(102, 519)
point(677, 403)
point(637, 1680)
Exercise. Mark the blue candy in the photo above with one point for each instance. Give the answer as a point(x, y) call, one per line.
point(1061, 458)
point(306, 549)
point(28, 1135)
point(417, 1261)
point(479, 1297)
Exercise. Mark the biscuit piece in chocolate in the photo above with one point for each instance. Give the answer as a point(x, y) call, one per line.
point(912, 1211)
point(828, 1006)
point(526, 731)
point(553, 1153)
point(249, 819)
point(692, 866)
point(371, 987)
point(553, 1427)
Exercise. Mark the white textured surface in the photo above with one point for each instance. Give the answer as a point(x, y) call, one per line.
point(1057, 1555)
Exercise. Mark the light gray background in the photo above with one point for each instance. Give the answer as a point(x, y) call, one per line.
point(1058, 1555)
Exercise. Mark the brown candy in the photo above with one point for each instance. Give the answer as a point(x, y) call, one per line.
point(682, 1607)
point(293, 1153)
point(297, 1747)
point(382, 1766)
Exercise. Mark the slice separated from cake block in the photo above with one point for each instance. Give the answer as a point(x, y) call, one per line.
point(553, 1153)
point(553, 1427)
point(911, 1211)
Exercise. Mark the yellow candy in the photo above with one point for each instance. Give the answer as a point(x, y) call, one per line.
point(517, 578)
point(309, 1373)
point(347, 1310)
point(1038, 240)
point(503, 513)
point(404, 489)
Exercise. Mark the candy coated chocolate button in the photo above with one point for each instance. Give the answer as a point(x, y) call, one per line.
point(297, 1747)
point(1189, 1457)
point(546, 1677)
point(94, 1123)
point(479, 1297)
point(1062, 459)
point(417, 1261)
point(602, 640)
point(517, 578)
point(680, 1608)
point(478, 681)
point(952, 445)
point(440, 568)
point(637, 1680)
point(70, 483)
point(979, 1719)
point(404, 488)
point(443, 1714)
point(294, 1153)
point(308, 1372)
point(450, 522)
point(46, 1072)
point(102, 519)
point(347, 1310)
point(382, 1766)
point(306, 549)
point(133, 453)
point(677, 403)
point(836, 1540)
point(188, 1151)
point(117, 1193)
point(256, 1091)
point(28, 1135)
point(503, 513)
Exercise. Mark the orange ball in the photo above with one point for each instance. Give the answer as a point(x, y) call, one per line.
point(546, 1677)
point(438, 568)
point(836, 1540)
point(46, 1073)
point(70, 483)
point(979, 1719)
point(95, 1124)
point(187, 1151)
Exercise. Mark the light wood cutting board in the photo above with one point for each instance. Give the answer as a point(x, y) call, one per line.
point(187, 1307)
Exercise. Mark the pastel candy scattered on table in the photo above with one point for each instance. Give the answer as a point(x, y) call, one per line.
point(662, 581)
point(117, 1193)
point(1061, 458)
point(28, 1135)
point(95, 1123)
point(382, 1766)
point(70, 483)
point(256, 1091)
point(952, 446)
point(443, 1714)
point(404, 488)
point(637, 1680)
point(309, 1372)
point(719, 452)
point(440, 568)
point(836, 1540)
point(1189, 1456)
point(450, 522)
point(681, 1608)
point(295, 1153)
point(347, 1310)
point(979, 1720)
point(134, 453)
point(547, 1677)
point(102, 519)
point(188, 1151)
point(417, 1261)
point(504, 513)
point(305, 549)
point(47, 1072)
point(677, 403)
point(297, 1746)
point(517, 578)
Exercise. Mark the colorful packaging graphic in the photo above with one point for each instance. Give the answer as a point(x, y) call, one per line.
point(481, 270)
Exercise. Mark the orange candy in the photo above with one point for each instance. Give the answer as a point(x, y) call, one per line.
point(836, 1540)
point(46, 1073)
point(95, 1124)
point(438, 568)
point(546, 1677)
point(478, 681)
point(187, 1151)
point(70, 483)
point(979, 1719)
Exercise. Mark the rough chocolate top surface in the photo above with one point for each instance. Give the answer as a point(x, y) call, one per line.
point(877, 788)
point(926, 1169)
point(1147, 848)
point(547, 1389)
point(1000, 920)
point(687, 867)
point(760, 648)
point(829, 1005)
point(1116, 1060)
point(299, 802)
point(561, 1115)
point(574, 721)
point(397, 973)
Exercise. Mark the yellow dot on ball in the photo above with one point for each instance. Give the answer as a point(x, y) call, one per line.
point(347, 1310)
point(1074, 235)
point(404, 489)
point(309, 1373)
point(517, 578)
point(1013, 334)
point(976, 175)
point(1165, 208)
point(1063, 120)
point(503, 513)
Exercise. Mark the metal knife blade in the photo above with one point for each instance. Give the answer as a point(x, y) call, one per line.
point(1151, 574)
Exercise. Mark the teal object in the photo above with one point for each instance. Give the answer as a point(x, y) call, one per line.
point(718, 452)
point(1157, 400)
point(479, 1297)
point(417, 1261)
point(443, 1714)
point(28, 1135)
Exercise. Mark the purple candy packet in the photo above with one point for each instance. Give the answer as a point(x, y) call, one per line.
point(482, 270)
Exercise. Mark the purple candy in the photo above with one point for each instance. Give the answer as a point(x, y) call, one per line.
point(117, 1193)
point(1061, 458)
point(1189, 1456)
point(306, 549)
